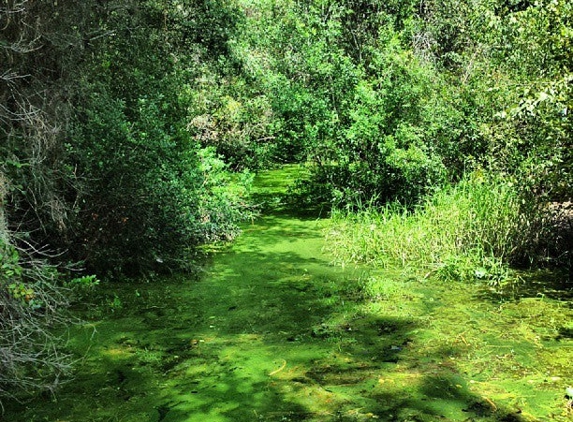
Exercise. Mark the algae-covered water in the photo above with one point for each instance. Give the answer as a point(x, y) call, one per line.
point(271, 331)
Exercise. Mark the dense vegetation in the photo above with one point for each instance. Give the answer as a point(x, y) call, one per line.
point(122, 125)
point(98, 168)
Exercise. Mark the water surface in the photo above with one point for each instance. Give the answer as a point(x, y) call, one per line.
point(272, 331)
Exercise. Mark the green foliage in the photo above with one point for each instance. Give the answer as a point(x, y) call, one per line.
point(542, 125)
point(472, 231)
point(538, 40)
point(291, 52)
point(350, 99)
point(11, 281)
point(31, 306)
point(83, 282)
point(120, 121)
point(223, 199)
point(234, 121)
point(157, 194)
point(9, 258)
point(385, 149)
point(121, 124)
point(381, 147)
point(389, 102)
point(508, 65)
point(97, 157)
point(146, 198)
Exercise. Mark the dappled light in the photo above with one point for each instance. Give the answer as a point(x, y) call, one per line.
point(270, 330)
point(286, 210)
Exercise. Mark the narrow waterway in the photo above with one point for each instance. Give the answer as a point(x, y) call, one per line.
point(272, 331)
point(259, 335)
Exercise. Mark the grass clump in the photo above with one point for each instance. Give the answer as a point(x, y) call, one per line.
point(471, 231)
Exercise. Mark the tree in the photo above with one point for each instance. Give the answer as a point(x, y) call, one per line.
point(97, 166)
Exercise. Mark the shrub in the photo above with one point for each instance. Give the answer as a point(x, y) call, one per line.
point(30, 308)
point(471, 231)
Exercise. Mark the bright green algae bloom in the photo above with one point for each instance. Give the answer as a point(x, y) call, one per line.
point(272, 331)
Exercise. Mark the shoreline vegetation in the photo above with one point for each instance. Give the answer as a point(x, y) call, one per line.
point(477, 230)
point(432, 138)
point(293, 336)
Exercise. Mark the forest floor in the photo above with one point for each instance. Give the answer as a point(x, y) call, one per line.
point(272, 331)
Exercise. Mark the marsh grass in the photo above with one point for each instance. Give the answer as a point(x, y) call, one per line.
point(472, 231)
point(271, 331)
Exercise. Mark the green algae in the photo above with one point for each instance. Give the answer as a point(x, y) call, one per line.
point(271, 331)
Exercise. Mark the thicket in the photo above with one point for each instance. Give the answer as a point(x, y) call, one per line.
point(151, 188)
point(120, 121)
point(99, 169)
point(393, 101)
point(388, 100)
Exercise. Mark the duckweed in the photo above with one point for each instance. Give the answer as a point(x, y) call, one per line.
point(272, 331)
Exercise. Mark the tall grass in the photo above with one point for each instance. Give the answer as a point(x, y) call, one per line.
point(473, 230)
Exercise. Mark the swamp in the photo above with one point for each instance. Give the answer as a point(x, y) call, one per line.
point(271, 330)
point(286, 210)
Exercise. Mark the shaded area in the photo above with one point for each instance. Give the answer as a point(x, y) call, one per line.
point(275, 196)
point(272, 332)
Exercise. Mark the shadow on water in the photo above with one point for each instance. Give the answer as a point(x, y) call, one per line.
point(554, 284)
point(271, 332)
point(549, 291)
point(550, 283)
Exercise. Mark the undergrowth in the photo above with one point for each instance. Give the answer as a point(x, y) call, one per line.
point(471, 231)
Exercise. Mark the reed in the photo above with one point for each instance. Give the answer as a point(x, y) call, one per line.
point(473, 230)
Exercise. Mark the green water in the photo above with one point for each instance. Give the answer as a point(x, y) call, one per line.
point(271, 331)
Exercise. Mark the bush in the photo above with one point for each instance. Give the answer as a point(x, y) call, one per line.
point(144, 198)
point(472, 231)
point(153, 194)
point(30, 308)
